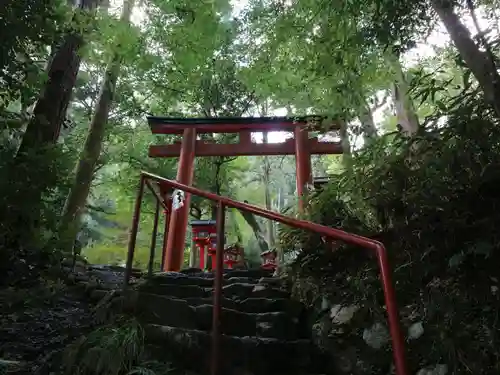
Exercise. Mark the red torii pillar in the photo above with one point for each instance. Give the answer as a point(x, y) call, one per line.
point(179, 218)
point(302, 164)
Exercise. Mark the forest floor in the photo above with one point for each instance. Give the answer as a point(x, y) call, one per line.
point(38, 323)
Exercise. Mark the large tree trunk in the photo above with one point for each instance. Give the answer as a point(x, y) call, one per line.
point(31, 168)
point(405, 112)
point(50, 110)
point(481, 65)
point(91, 152)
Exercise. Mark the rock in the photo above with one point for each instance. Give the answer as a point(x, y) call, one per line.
point(254, 305)
point(167, 278)
point(325, 304)
point(277, 325)
point(68, 262)
point(177, 291)
point(237, 323)
point(439, 369)
point(225, 302)
point(342, 314)
point(415, 331)
point(7, 367)
point(170, 275)
point(274, 281)
point(232, 322)
point(191, 270)
point(156, 309)
point(97, 295)
point(376, 336)
point(237, 290)
point(263, 356)
point(320, 332)
point(241, 280)
point(243, 291)
point(254, 274)
point(258, 288)
point(260, 304)
point(82, 277)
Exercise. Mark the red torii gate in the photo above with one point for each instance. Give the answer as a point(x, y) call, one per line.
point(301, 146)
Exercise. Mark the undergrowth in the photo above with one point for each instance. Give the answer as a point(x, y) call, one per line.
point(115, 349)
point(433, 200)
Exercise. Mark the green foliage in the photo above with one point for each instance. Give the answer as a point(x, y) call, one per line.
point(433, 201)
point(28, 221)
point(118, 349)
point(26, 29)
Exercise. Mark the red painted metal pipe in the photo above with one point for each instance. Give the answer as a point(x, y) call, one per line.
point(337, 234)
point(133, 231)
point(153, 239)
point(165, 233)
point(216, 315)
point(155, 193)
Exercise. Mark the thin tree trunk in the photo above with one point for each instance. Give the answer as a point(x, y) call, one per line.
point(405, 112)
point(346, 144)
point(368, 128)
point(267, 193)
point(481, 65)
point(257, 231)
point(91, 152)
point(266, 178)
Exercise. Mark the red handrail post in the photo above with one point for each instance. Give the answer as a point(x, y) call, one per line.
point(133, 231)
point(153, 239)
point(216, 316)
point(165, 233)
point(398, 345)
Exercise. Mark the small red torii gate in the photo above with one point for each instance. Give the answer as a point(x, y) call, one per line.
point(300, 145)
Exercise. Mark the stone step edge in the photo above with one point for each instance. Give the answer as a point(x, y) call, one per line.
point(97, 295)
point(256, 288)
point(130, 302)
point(150, 328)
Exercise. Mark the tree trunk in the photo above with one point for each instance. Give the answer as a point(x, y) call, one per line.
point(368, 128)
point(267, 193)
point(254, 224)
point(346, 144)
point(481, 66)
point(50, 110)
point(405, 112)
point(91, 152)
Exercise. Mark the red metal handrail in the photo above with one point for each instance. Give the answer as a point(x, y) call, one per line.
point(336, 234)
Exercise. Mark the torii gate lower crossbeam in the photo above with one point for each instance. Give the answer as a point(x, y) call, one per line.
point(300, 146)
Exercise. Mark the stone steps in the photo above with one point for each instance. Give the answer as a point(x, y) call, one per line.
point(253, 273)
point(253, 305)
point(264, 331)
point(254, 355)
point(168, 311)
point(235, 290)
point(167, 278)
